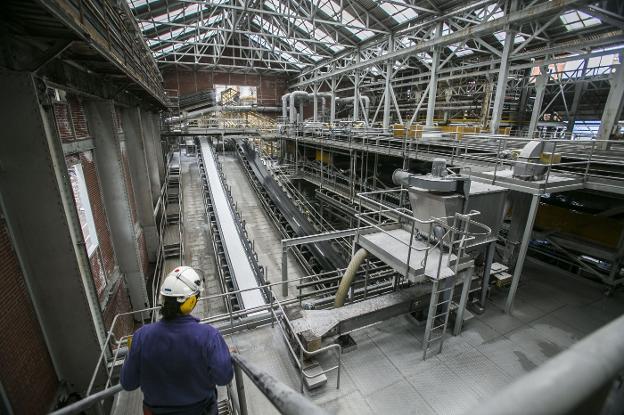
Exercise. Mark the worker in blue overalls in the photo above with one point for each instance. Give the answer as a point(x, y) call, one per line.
point(176, 361)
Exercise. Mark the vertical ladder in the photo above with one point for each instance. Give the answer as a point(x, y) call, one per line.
point(437, 318)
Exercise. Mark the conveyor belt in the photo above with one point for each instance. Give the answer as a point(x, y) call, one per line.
point(324, 253)
point(238, 261)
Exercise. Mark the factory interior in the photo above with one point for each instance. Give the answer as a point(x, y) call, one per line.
point(395, 206)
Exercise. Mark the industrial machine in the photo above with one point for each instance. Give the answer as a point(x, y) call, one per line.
point(432, 248)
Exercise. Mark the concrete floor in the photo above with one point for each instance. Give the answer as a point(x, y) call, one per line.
point(386, 372)
point(259, 227)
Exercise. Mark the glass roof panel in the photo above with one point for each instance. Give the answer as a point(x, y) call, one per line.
point(576, 19)
point(355, 26)
point(399, 13)
point(305, 26)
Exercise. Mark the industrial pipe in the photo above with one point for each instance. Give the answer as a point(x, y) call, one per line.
point(285, 105)
point(324, 95)
point(293, 97)
point(565, 383)
point(348, 276)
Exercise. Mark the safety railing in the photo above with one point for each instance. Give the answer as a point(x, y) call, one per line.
point(114, 349)
point(455, 229)
point(584, 379)
point(162, 221)
point(580, 159)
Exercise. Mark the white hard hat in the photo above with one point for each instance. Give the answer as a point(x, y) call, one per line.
point(182, 283)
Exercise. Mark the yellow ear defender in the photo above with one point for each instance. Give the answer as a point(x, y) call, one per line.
point(188, 305)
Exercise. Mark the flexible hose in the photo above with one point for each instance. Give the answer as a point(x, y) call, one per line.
point(348, 276)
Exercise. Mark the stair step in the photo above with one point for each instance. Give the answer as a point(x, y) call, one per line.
point(317, 381)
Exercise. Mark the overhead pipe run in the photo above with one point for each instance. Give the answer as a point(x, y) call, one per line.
point(349, 276)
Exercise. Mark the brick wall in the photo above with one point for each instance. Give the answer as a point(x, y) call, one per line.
point(119, 303)
point(26, 370)
point(270, 88)
point(99, 214)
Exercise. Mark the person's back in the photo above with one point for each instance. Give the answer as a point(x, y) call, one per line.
point(177, 362)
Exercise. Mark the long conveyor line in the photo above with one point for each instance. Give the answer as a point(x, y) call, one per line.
point(240, 263)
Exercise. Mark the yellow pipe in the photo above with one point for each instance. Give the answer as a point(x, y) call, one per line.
point(348, 276)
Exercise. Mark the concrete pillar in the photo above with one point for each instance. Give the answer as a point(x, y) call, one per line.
point(540, 88)
point(160, 158)
point(135, 139)
point(116, 196)
point(613, 107)
point(37, 200)
point(153, 152)
point(433, 80)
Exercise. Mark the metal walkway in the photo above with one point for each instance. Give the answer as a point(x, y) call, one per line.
point(239, 262)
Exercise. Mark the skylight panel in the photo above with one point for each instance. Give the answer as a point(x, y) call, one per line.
point(576, 19)
point(458, 48)
point(305, 26)
point(355, 26)
point(518, 38)
point(284, 55)
point(293, 43)
point(399, 13)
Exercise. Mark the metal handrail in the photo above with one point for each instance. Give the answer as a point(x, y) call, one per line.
point(564, 384)
point(284, 399)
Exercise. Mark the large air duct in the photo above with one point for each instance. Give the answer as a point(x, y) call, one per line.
point(285, 98)
point(293, 97)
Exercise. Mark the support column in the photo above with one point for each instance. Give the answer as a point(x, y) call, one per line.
point(135, 139)
point(315, 87)
point(332, 109)
point(356, 91)
point(501, 85)
point(540, 88)
point(116, 196)
point(160, 158)
point(433, 81)
point(153, 152)
point(37, 200)
point(579, 88)
point(386, 113)
point(524, 245)
point(613, 107)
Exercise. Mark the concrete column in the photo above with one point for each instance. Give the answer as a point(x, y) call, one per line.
point(37, 200)
point(613, 107)
point(433, 80)
point(135, 139)
point(540, 88)
point(153, 152)
point(116, 196)
point(160, 159)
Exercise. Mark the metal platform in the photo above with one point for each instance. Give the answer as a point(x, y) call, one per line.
point(393, 247)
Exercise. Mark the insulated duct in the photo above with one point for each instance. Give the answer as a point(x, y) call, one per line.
point(349, 276)
point(364, 99)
